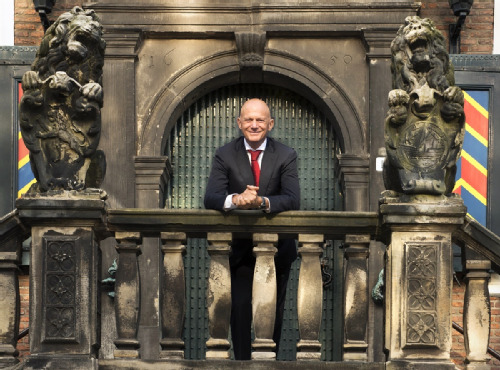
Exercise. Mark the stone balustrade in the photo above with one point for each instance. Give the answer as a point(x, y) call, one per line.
point(172, 228)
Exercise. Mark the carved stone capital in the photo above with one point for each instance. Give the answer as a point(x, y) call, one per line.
point(355, 176)
point(250, 46)
point(378, 42)
point(152, 175)
point(122, 44)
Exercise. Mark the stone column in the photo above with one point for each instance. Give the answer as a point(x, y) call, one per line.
point(173, 297)
point(419, 279)
point(64, 279)
point(356, 297)
point(476, 310)
point(152, 175)
point(10, 257)
point(264, 296)
point(310, 296)
point(355, 171)
point(127, 298)
point(219, 295)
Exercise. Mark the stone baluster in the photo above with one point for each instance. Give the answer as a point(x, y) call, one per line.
point(310, 296)
point(219, 295)
point(127, 299)
point(356, 297)
point(264, 296)
point(476, 310)
point(173, 301)
point(10, 254)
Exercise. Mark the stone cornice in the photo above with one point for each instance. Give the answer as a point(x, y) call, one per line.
point(328, 18)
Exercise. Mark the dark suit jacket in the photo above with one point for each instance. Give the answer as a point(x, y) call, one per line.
point(231, 173)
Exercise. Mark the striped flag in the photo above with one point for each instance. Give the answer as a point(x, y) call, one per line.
point(25, 177)
point(472, 167)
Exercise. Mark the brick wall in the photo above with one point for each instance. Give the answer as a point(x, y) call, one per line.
point(28, 29)
point(476, 35)
point(477, 32)
point(23, 345)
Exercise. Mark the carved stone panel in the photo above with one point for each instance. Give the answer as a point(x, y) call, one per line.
point(59, 287)
point(421, 294)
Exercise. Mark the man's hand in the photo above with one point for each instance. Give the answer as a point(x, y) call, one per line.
point(248, 199)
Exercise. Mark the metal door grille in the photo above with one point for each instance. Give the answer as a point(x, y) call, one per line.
point(209, 123)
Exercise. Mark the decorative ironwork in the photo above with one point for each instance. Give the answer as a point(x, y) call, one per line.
point(60, 290)
point(421, 314)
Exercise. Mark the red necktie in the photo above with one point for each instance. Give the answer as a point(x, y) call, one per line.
point(255, 165)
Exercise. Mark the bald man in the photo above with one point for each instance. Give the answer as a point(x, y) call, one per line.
point(236, 183)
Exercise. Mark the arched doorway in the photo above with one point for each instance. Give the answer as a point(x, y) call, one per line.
point(209, 123)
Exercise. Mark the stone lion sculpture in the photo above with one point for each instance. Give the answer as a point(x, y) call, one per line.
point(424, 127)
point(60, 109)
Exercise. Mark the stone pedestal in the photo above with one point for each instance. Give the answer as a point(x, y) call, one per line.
point(64, 279)
point(418, 277)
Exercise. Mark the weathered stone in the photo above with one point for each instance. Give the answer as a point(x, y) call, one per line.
point(64, 280)
point(356, 297)
point(424, 128)
point(60, 108)
point(173, 299)
point(264, 296)
point(310, 296)
point(127, 298)
point(418, 278)
point(476, 310)
point(219, 295)
point(10, 256)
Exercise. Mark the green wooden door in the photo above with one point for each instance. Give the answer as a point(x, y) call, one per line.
point(210, 123)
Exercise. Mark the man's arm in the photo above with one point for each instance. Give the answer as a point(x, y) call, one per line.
point(217, 185)
point(288, 197)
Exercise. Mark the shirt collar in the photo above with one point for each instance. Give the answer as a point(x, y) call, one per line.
point(261, 147)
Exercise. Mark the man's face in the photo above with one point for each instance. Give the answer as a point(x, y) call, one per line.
point(255, 122)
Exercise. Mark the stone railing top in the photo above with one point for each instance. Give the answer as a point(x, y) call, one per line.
point(480, 239)
point(196, 222)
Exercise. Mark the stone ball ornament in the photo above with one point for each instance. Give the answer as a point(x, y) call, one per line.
point(61, 105)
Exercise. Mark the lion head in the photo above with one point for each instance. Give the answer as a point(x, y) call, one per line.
point(419, 56)
point(73, 44)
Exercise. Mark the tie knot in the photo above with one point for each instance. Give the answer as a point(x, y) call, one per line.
point(254, 154)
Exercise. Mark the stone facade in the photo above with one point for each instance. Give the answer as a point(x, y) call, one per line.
point(337, 56)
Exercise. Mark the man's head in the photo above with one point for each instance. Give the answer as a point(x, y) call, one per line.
point(255, 122)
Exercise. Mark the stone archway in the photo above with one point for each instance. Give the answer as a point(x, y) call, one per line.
point(218, 70)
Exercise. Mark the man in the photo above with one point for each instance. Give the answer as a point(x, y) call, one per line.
point(254, 172)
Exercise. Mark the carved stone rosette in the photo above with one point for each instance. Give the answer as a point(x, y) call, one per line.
point(60, 109)
point(424, 127)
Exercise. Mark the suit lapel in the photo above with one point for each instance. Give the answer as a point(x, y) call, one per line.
point(243, 163)
point(267, 166)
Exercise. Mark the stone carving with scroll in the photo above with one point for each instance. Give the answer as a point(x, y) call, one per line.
point(60, 109)
point(424, 127)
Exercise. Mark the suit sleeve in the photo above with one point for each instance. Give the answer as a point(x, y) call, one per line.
point(288, 198)
point(217, 185)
